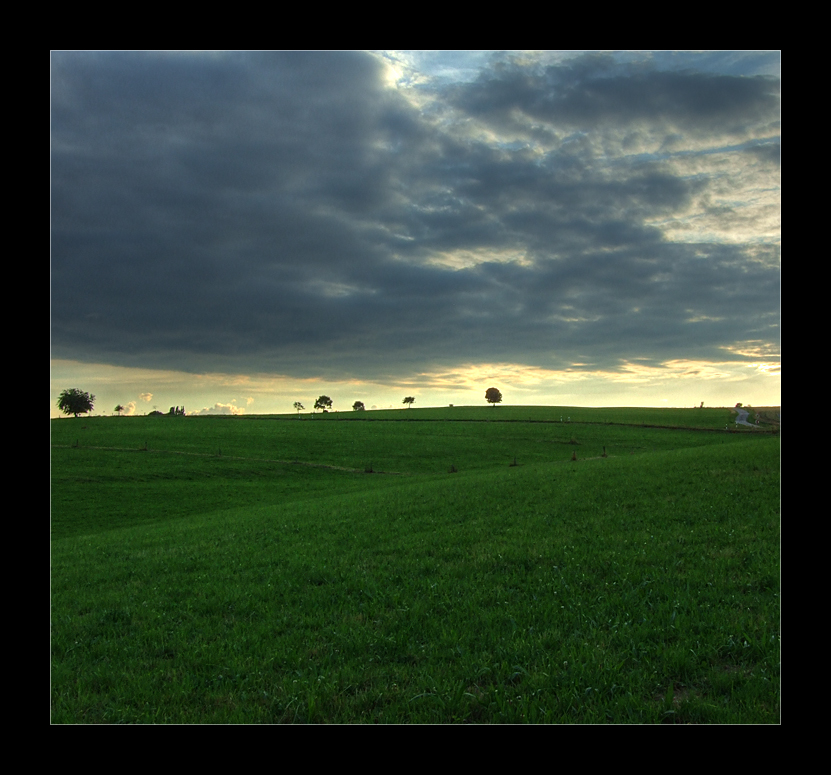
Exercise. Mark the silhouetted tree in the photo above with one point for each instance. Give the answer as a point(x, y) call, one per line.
point(358, 406)
point(74, 401)
point(409, 400)
point(493, 396)
point(324, 402)
point(118, 410)
point(299, 407)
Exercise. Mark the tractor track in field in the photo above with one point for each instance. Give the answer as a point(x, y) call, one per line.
point(532, 422)
point(287, 462)
point(231, 457)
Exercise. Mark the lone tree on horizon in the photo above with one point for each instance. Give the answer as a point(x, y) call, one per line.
point(409, 400)
point(119, 409)
point(74, 401)
point(298, 406)
point(324, 403)
point(493, 396)
point(358, 406)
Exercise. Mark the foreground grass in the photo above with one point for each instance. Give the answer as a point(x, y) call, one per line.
point(635, 588)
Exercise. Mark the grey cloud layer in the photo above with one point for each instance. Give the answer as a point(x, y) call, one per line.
point(594, 91)
point(292, 213)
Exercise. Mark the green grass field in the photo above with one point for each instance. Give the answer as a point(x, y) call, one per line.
point(251, 570)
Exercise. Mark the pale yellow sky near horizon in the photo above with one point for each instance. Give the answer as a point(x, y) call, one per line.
point(673, 384)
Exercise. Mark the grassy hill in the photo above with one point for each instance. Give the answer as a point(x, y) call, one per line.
point(250, 570)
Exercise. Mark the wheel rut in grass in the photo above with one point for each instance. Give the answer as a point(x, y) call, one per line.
point(237, 457)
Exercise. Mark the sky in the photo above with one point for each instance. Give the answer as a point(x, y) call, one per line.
point(236, 231)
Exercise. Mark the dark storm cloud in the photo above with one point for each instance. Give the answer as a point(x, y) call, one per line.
point(594, 90)
point(294, 213)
